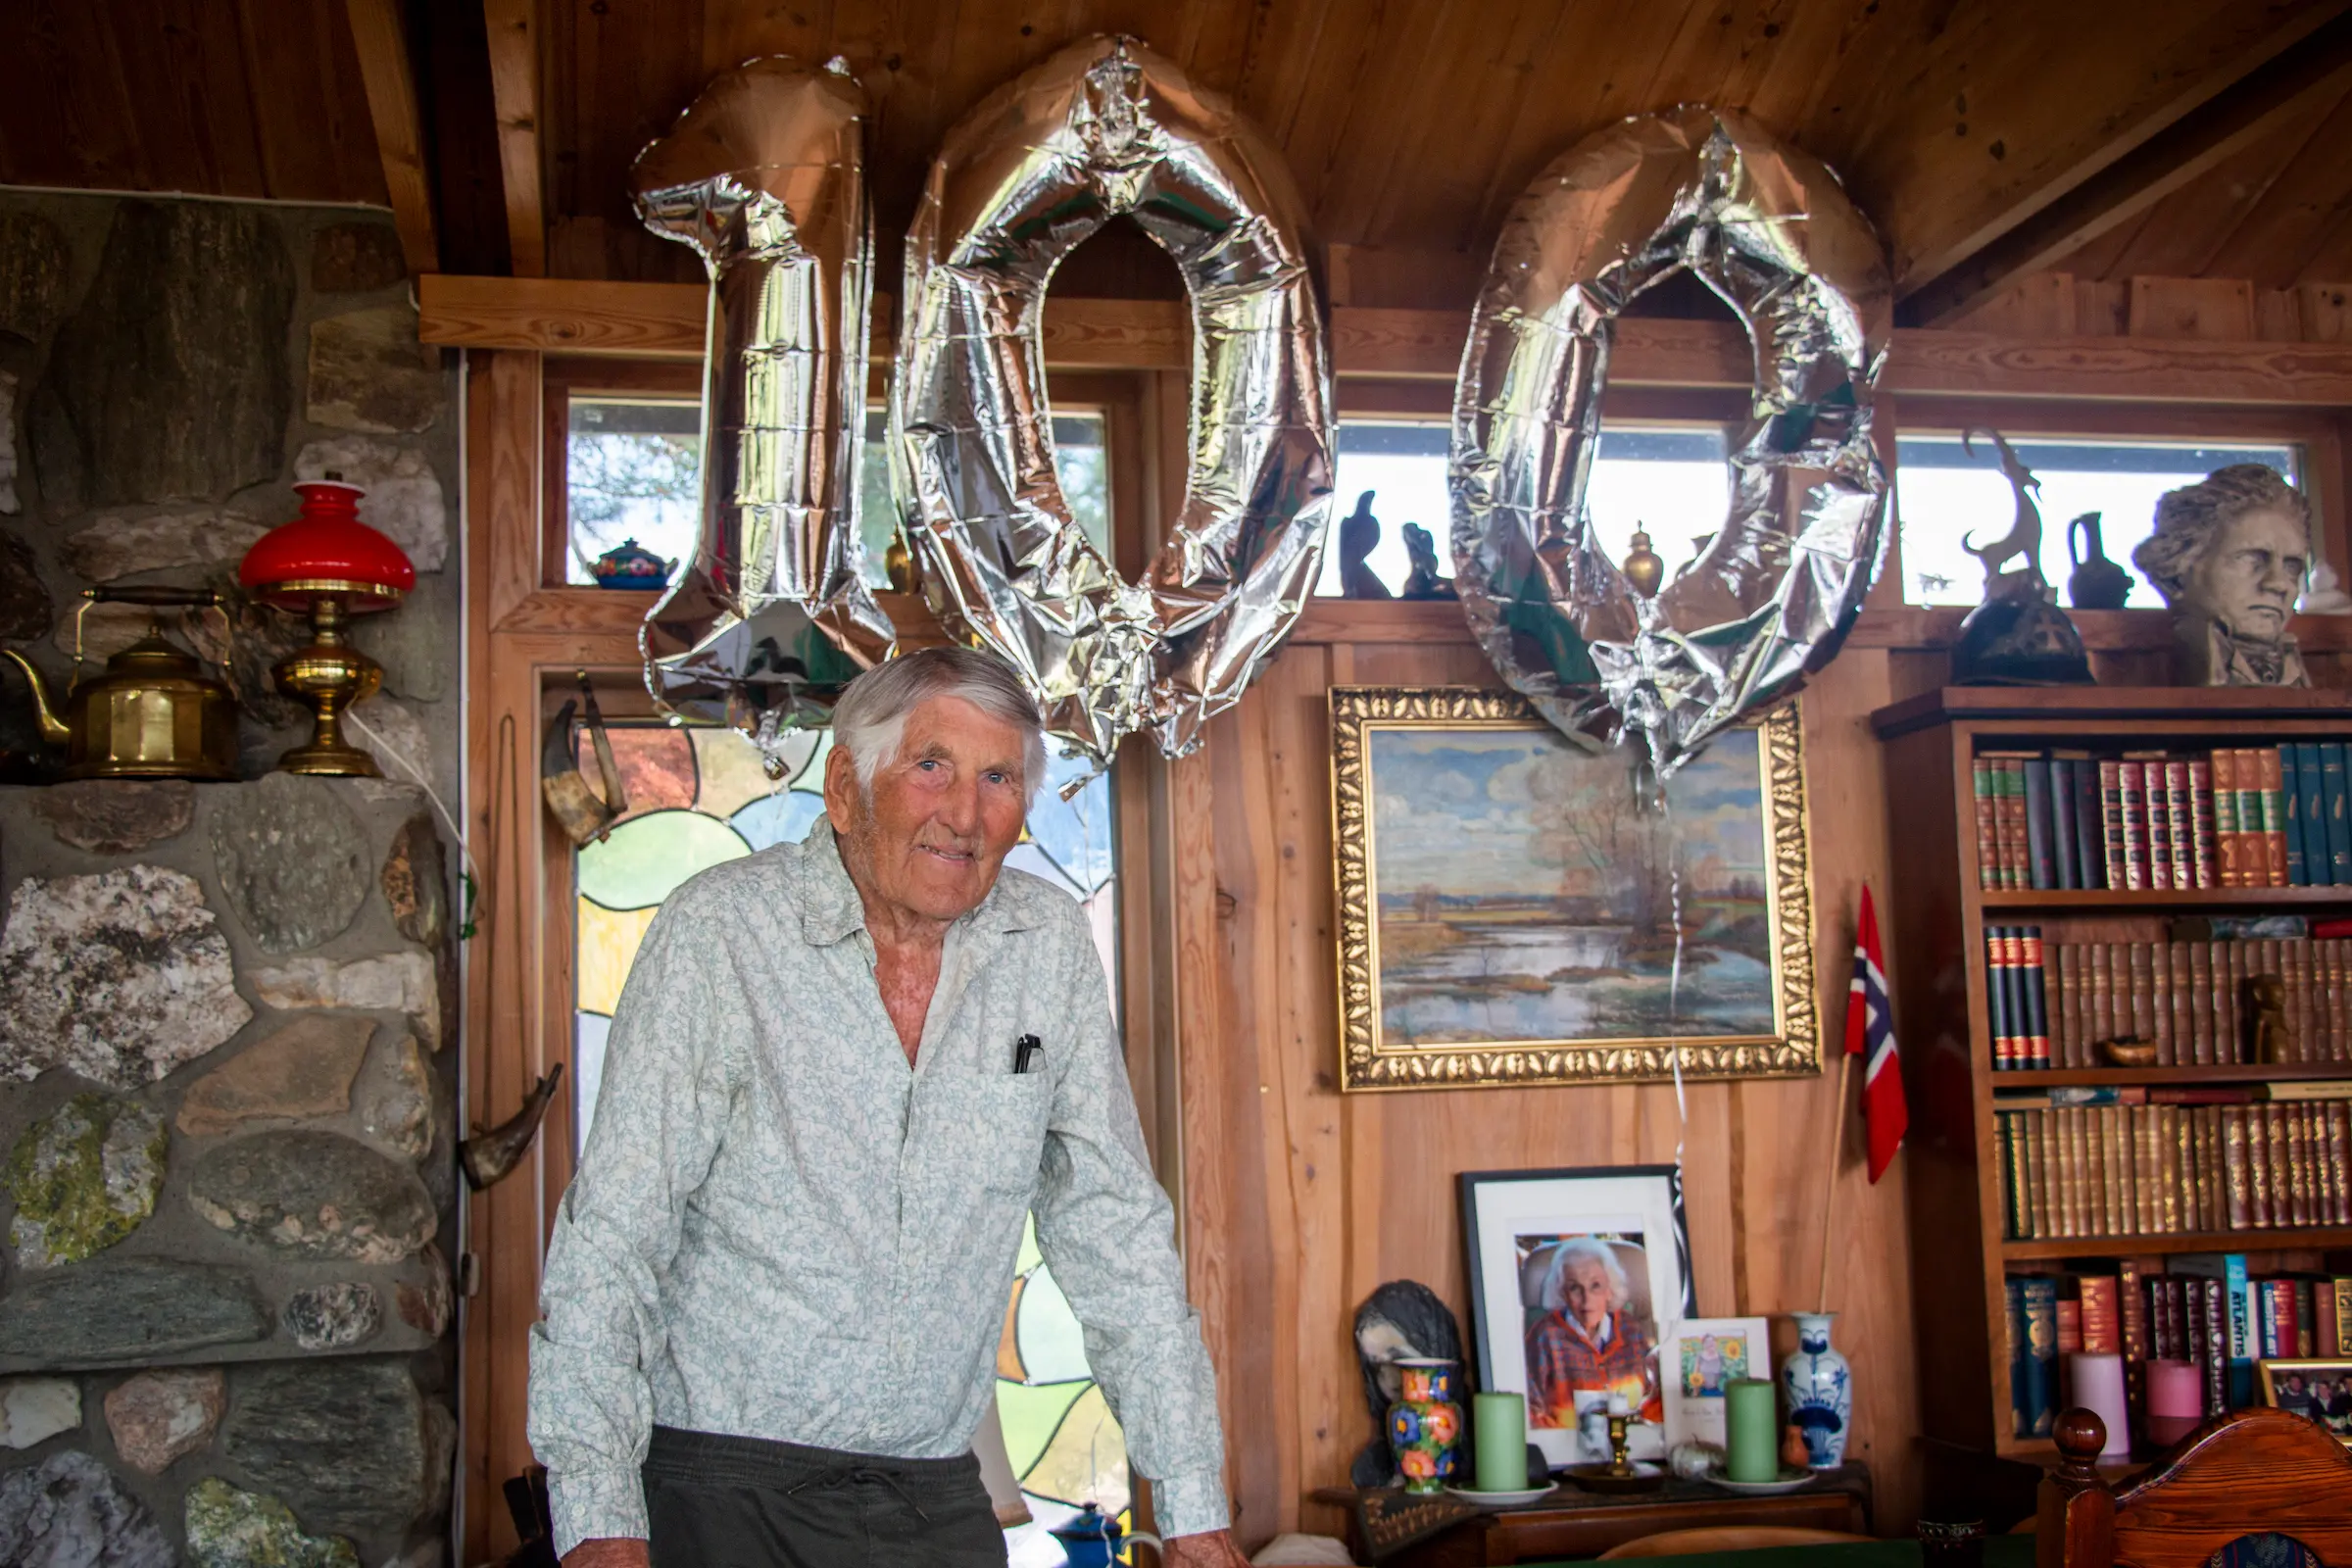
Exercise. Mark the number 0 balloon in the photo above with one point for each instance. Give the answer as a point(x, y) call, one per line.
point(1101, 129)
point(1771, 594)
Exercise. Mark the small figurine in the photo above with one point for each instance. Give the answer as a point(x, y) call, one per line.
point(1359, 537)
point(1401, 1320)
point(2266, 1019)
point(2018, 636)
point(1423, 582)
point(2228, 555)
point(2095, 583)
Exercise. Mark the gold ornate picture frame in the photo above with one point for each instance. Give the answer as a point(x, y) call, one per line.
point(1525, 928)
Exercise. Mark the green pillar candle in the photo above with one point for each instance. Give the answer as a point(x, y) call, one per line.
point(1500, 1422)
point(1755, 1443)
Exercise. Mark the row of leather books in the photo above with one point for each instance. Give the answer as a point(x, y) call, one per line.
point(2204, 1310)
point(2054, 1003)
point(2242, 817)
point(2169, 1161)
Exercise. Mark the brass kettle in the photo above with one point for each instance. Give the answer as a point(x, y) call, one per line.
point(153, 712)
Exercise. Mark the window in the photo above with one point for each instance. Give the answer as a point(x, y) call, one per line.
point(633, 469)
point(1672, 481)
point(1944, 493)
point(1081, 459)
point(700, 797)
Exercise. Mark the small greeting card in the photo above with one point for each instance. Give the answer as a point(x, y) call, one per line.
point(1700, 1356)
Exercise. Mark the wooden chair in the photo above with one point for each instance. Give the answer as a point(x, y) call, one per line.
point(2247, 1473)
point(1724, 1537)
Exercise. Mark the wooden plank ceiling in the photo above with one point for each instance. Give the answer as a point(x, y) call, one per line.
point(1410, 124)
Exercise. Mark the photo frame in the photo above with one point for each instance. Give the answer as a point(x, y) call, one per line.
point(1511, 910)
point(2320, 1388)
point(1694, 1362)
point(1576, 1277)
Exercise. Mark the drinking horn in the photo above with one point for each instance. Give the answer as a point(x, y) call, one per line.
point(1769, 229)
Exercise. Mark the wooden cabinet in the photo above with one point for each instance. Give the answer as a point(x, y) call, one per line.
point(1936, 914)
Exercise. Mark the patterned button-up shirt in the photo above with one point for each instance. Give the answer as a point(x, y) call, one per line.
point(781, 1230)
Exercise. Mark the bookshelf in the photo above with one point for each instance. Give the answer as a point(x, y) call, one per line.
point(1937, 914)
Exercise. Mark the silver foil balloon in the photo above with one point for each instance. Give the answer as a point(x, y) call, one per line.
point(764, 175)
point(1101, 129)
point(1769, 229)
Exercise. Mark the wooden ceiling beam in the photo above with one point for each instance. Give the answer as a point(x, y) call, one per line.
point(514, 27)
point(381, 40)
point(2136, 171)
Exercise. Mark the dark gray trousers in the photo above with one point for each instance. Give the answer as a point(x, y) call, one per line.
point(719, 1501)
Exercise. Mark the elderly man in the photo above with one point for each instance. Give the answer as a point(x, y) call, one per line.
point(1587, 1342)
point(839, 1075)
point(2228, 555)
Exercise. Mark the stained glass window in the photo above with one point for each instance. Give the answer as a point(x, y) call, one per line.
point(700, 797)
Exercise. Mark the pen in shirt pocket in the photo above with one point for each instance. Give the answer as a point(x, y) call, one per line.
point(1025, 1052)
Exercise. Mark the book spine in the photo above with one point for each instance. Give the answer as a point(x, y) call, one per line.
point(2205, 866)
point(2276, 1329)
point(2070, 1324)
point(2306, 1341)
point(2270, 772)
point(2041, 865)
point(1996, 997)
point(2014, 856)
point(2229, 851)
point(2332, 808)
point(2258, 1167)
point(1988, 823)
point(2160, 977)
point(2232, 995)
point(2182, 822)
point(2015, 1223)
point(2201, 1017)
point(2088, 847)
point(2291, 815)
point(2039, 1177)
point(2339, 1151)
point(2062, 861)
point(2134, 816)
point(2042, 1340)
point(2102, 1325)
point(2327, 1334)
point(2037, 1005)
point(2343, 1311)
point(2216, 1304)
point(2310, 812)
point(2111, 823)
point(2236, 1171)
point(2158, 811)
point(2102, 1000)
point(2065, 974)
point(2143, 993)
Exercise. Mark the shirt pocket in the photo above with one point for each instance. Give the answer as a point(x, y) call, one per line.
point(986, 1130)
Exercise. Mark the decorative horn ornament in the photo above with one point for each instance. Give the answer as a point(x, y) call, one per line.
point(581, 812)
point(1107, 127)
point(1769, 229)
point(764, 177)
point(488, 1156)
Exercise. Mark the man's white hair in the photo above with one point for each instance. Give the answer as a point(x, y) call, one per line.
point(870, 718)
point(1586, 1246)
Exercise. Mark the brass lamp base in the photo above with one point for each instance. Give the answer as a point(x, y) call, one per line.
point(329, 675)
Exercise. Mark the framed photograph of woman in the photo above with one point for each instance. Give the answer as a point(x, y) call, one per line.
point(1517, 909)
point(1576, 1279)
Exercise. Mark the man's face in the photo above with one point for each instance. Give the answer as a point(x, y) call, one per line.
point(1586, 1294)
point(2250, 574)
point(944, 813)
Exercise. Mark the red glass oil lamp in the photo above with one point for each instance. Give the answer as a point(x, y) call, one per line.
point(329, 565)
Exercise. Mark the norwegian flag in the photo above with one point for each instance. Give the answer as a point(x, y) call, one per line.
point(1870, 1035)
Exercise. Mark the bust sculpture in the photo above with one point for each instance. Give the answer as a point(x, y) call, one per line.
point(2228, 555)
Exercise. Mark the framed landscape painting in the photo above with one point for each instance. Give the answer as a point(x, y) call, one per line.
point(1516, 908)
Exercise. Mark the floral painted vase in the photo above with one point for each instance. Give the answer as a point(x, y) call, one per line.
point(1818, 1391)
point(1425, 1424)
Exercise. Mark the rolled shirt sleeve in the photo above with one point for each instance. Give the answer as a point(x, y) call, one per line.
point(1108, 1230)
point(667, 1081)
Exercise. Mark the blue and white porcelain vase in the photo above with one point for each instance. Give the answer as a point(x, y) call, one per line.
point(1818, 1391)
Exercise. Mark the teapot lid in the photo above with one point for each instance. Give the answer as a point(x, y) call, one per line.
point(154, 654)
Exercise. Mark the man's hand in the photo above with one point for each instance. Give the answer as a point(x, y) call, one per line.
point(1211, 1548)
point(610, 1551)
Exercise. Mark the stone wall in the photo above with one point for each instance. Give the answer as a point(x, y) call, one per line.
point(227, 1074)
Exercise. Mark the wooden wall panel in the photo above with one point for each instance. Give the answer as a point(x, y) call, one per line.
point(1301, 1200)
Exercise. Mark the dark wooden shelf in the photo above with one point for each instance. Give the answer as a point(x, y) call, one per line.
point(2111, 710)
point(2274, 1239)
point(2155, 898)
point(2216, 1073)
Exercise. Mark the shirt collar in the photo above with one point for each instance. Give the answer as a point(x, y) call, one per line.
point(831, 910)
